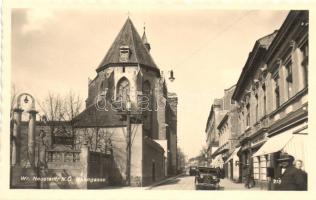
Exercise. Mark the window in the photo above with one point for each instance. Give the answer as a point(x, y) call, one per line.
point(147, 108)
point(248, 115)
point(264, 99)
point(123, 90)
point(124, 53)
point(276, 89)
point(256, 168)
point(257, 108)
point(242, 121)
point(263, 168)
point(304, 50)
point(289, 78)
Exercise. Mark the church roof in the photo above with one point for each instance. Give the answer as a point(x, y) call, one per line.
point(128, 36)
point(92, 117)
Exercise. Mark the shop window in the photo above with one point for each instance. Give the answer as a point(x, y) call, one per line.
point(263, 168)
point(256, 168)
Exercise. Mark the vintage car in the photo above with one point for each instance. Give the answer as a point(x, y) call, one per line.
point(207, 178)
point(192, 170)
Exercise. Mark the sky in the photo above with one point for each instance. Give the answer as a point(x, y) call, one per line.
point(56, 50)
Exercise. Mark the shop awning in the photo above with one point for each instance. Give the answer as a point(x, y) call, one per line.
point(217, 162)
point(234, 154)
point(284, 141)
point(297, 146)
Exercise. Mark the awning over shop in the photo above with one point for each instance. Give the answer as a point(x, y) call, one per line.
point(284, 141)
point(234, 154)
point(217, 162)
point(297, 146)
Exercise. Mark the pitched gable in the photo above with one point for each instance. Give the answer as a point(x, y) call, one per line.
point(128, 38)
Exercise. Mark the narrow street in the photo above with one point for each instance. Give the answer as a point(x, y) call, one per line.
point(186, 182)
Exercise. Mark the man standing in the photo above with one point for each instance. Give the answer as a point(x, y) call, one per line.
point(299, 164)
point(291, 178)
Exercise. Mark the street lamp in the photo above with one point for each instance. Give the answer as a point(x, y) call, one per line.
point(171, 78)
point(26, 100)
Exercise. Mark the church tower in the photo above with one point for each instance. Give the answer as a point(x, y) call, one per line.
point(128, 73)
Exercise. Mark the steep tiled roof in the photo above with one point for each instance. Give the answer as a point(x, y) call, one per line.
point(128, 36)
point(92, 117)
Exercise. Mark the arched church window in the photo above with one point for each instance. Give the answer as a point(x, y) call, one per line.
point(147, 125)
point(146, 88)
point(123, 90)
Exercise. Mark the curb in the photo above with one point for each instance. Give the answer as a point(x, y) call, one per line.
point(162, 181)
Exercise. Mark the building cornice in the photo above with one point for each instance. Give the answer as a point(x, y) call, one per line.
point(282, 34)
point(292, 119)
point(290, 101)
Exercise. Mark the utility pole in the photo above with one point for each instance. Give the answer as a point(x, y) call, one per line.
point(128, 113)
point(128, 148)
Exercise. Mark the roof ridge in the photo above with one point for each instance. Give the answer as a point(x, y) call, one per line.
point(139, 54)
point(132, 26)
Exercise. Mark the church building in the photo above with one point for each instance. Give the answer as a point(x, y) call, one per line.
point(126, 135)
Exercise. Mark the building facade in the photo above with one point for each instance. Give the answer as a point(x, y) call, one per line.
point(272, 100)
point(225, 129)
point(212, 140)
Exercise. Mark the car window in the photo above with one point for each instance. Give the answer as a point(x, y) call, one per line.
point(207, 171)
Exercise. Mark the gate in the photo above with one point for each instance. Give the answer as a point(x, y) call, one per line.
point(99, 170)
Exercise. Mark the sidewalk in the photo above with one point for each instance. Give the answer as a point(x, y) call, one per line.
point(146, 187)
point(227, 184)
point(162, 181)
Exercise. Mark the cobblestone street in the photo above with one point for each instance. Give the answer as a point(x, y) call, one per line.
point(186, 182)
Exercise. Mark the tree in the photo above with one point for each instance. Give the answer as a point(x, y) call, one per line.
point(202, 157)
point(181, 159)
point(57, 108)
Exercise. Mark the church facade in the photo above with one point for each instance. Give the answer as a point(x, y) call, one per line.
point(128, 74)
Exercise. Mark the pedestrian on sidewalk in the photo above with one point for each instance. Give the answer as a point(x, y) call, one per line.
point(291, 178)
point(299, 164)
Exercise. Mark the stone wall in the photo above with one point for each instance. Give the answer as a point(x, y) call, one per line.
point(116, 138)
point(153, 162)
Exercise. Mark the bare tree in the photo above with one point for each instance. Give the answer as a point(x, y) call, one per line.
point(14, 94)
point(57, 108)
point(72, 105)
point(181, 158)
